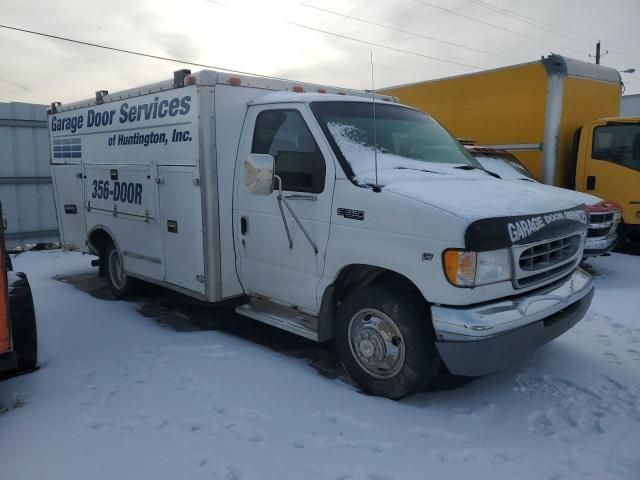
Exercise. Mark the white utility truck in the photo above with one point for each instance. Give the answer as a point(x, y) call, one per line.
point(329, 213)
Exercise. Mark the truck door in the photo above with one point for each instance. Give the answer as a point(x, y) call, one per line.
point(268, 264)
point(612, 167)
point(67, 180)
point(181, 226)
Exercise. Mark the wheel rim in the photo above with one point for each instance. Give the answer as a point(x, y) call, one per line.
point(376, 343)
point(116, 270)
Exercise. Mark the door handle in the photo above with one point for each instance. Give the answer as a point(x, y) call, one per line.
point(591, 182)
point(243, 225)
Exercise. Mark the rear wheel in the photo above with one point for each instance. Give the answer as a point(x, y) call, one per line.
point(23, 323)
point(385, 341)
point(122, 286)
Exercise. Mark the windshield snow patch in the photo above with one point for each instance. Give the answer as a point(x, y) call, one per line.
point(391, 167)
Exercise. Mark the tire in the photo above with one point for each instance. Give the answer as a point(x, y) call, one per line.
point(385, 341)
point(122, 286)
point(622, 237)
point(23, 323)
point(633, 234)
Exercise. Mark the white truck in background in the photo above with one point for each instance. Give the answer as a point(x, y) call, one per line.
point(292, 200)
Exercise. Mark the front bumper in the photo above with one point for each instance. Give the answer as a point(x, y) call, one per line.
point(598, 246)
point(602, 235)
point(479, 340)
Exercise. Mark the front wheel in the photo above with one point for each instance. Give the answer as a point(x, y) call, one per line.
point(122, 286)
point(385, 341)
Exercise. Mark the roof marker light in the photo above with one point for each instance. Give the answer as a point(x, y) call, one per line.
point(189, 80)
point(341, 93)
point(179, 76)
point(298, 89)
point(100, 94)
point(321, 90)
point(234, 81)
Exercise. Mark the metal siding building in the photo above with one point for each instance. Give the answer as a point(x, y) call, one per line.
point(26, 191)
point(630, 105)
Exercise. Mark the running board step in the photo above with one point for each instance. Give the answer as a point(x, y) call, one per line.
point(281, 317)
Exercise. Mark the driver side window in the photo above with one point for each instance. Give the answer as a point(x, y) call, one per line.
point(298, 161)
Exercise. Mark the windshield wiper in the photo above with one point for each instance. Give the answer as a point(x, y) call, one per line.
point(471, 167)
point(417, 170)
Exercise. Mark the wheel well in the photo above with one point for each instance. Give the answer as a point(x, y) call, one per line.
point(98, 241)
point(354, 277)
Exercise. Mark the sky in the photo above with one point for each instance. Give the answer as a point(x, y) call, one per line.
point(282, 38)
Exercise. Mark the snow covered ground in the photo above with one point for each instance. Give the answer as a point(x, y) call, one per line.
point(119, 396)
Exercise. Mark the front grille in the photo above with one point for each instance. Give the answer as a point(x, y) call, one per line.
point(598, 232)
point(601, 217)
point(550, 253)
point(602, 224)
point(548, 259)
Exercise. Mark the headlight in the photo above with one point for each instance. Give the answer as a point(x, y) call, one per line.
point(467, 269)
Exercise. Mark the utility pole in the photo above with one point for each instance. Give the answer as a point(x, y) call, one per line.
point(598, 55)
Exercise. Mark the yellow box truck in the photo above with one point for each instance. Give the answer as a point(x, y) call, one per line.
point(557, 115)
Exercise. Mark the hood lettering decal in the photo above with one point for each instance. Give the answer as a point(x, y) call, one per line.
point(522, 229)
point(501, 232)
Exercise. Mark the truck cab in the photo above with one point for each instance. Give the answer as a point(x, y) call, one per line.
point(608, 166)
point(400, 206)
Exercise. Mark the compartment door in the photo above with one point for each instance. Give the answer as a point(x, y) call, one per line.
point(67, 181)
point(181, 226)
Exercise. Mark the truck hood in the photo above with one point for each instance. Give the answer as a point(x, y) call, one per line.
point(570, 195)
point(473, 195)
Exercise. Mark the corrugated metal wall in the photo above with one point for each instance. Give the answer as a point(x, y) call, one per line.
point(26, 191)
point(630, 105)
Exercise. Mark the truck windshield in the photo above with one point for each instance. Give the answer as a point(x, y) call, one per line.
point(405, 139)
point(619, 144)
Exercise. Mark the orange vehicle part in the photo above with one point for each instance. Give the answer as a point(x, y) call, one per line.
point(5, 338)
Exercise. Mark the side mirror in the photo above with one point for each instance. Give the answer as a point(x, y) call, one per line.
point(258, 173)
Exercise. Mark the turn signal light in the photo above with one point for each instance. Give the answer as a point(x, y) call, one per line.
point(460, 267)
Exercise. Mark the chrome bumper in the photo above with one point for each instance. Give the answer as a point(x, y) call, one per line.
point(599, 245)
point(489, 320)
point(486, 338)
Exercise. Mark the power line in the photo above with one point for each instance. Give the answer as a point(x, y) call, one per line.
point(133, 52)
point(366, 42)
point(204, 65)
point(453, 12)
point(398, 29)
point(354, 39)
point(529, 20)
point(561, 31)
